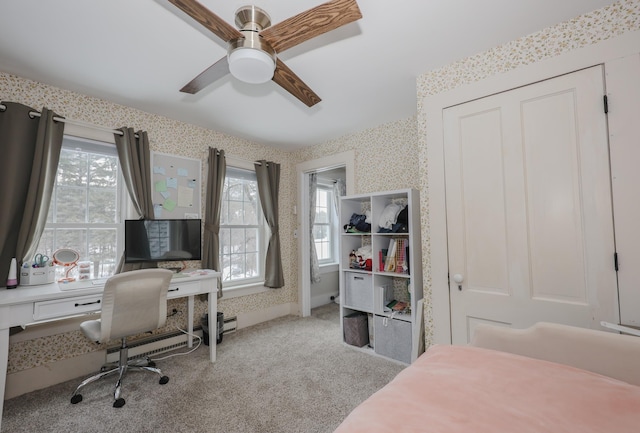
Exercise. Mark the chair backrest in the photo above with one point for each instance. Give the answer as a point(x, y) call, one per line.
point(134, 302)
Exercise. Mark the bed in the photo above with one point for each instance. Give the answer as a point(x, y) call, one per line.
point(548, 378)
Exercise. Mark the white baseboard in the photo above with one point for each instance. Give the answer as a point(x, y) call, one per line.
point(25, 381)
point(322, 299)
point(254, 317)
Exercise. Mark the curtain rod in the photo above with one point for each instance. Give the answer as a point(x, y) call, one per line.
point(35, 113)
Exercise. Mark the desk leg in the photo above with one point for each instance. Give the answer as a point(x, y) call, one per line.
point(213, 322)
point(4, 361)
point(190, 321)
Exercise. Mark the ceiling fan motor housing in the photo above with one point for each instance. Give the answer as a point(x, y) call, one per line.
point(251, 58)
point(252, 18)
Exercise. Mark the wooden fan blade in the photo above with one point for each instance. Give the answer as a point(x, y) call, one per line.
point(214, 72)
point(285, 78)
point(314, 22)
point(211, 21)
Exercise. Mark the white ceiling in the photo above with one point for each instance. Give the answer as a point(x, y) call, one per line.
point(139, 53)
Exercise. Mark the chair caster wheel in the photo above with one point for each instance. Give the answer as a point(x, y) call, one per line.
point(163, 380)
point(76, 399)
point(119, 402)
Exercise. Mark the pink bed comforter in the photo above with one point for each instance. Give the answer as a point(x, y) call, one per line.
point(452, 389)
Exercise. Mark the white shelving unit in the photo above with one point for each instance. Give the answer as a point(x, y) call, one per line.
point(369, 292)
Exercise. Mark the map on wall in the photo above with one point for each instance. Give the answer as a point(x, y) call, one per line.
point(176, 183)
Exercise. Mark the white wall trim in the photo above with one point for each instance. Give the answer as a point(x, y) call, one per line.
point(608, 50)
point(44, 376)
point(320, 300)
point(249, 289)
point(327, 269)
point(251, 318)
point(88, 132)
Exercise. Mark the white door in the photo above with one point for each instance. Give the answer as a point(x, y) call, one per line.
point(529, 216)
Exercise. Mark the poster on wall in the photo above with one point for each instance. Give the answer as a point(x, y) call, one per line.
point(176, 183)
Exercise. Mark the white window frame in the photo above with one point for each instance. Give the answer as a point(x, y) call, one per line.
point(252, 285)
point(98, 142)
point(332, 224)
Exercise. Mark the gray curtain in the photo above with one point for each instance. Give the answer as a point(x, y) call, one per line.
point(268, 176)
point(30, 155)
point(215, 183)
point(313, 255)
point(135, 162)
point(339, 190)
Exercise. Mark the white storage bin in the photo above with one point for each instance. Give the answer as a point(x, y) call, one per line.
point(358, 291)
point(31, 276)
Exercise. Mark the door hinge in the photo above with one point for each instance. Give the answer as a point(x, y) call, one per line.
point(605, 101)
point(615, 261)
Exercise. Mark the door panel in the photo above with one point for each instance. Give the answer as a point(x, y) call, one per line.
point(529, 206)
point(485, 240)
point(553, 188)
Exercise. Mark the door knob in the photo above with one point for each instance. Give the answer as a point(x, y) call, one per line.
point(458, 278)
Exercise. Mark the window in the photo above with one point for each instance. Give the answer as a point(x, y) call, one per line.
point(324, 225)
point(242, 229)
point(84, 213)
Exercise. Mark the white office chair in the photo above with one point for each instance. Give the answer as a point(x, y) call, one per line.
point(132, 303)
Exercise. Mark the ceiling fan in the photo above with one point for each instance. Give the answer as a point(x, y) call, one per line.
point(252, 54)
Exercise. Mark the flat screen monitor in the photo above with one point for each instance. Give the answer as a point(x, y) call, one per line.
point(162, 240)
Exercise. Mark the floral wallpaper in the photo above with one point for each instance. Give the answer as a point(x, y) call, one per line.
point(388, 157)
point(385, 156)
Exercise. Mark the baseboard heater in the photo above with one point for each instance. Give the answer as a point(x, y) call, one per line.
point(164, 342)
point(153, 345)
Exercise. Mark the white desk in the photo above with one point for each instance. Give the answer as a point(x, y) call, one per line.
point(33, 304)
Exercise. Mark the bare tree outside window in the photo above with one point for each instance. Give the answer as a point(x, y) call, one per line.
point(84, 211)
point(241, 228)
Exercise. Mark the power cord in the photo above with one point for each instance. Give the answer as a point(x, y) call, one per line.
point(183, 353)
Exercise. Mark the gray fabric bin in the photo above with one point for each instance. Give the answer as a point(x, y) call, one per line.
point(358, 291)
point(356, 329)
point(393, 338)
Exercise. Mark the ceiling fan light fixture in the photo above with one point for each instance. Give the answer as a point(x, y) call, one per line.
point(251, 66)
point(251, 59)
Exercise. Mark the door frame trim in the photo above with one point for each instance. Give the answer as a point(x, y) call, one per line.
point(434, 225)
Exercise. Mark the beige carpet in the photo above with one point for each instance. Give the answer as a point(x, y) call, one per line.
point(288, 375)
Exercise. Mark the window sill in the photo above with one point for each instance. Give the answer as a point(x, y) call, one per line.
point(244, 290)
point(328, 268)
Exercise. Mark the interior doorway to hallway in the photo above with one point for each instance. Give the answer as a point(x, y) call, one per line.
point(327, 170)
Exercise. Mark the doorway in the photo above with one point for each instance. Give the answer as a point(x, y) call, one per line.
point(338, 166)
